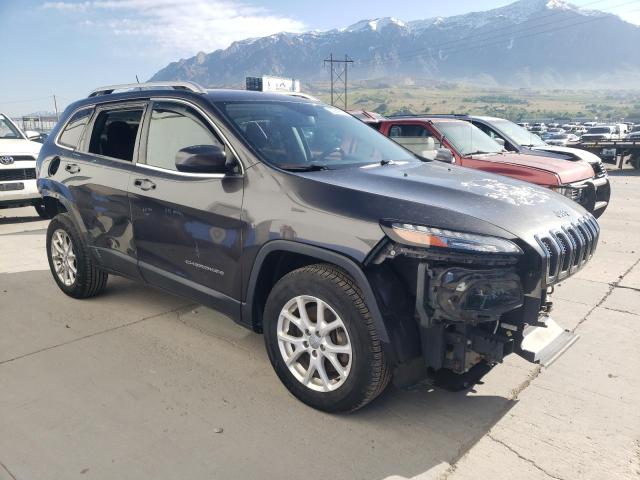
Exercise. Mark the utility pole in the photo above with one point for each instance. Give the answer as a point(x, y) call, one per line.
point(55, 106)
point(339, 74)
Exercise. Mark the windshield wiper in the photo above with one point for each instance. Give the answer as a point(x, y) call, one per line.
point(310, 167)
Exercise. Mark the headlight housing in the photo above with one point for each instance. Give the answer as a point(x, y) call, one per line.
point(573, 193)
point(432, 237)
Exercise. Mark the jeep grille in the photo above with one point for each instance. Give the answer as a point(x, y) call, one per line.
point(568, 249)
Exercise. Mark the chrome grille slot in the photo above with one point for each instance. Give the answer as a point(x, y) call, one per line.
point(567, 250)
point(580, 242)
point(7, 175)
point(588, 235)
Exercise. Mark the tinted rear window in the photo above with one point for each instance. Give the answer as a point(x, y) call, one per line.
point(72, 133)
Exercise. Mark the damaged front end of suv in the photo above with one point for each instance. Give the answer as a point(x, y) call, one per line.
point(477, 298)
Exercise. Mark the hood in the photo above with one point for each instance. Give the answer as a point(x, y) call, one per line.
point(567, 172)
point(449, 196)
point(19, 147)
point(571, 153)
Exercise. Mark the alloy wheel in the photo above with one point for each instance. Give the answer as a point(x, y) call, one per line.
point(64, 258)
point(314, 343)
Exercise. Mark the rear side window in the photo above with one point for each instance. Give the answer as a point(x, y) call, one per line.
point(114, 133)
point(172, 128)
point(72, 133)
point(416, 138)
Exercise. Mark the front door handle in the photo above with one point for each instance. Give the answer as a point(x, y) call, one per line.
point(72, 168)
point(144, 184)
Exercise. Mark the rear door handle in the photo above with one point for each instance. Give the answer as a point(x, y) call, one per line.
point(144, 184)
point(72, 168)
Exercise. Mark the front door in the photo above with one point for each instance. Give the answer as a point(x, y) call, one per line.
point(187, 226)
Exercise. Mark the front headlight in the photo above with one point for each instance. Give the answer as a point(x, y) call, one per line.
point(431, 237)
point(570, 192)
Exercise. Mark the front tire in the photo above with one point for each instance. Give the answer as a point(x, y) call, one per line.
point(70, 261)
point(321, 340)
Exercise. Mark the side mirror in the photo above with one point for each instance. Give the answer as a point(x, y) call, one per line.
point(202, 159)
point(499, 141)
point(32, 134)
point(444, 155)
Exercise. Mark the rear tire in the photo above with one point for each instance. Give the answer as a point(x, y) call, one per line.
point(70, 261)
point(334, 339)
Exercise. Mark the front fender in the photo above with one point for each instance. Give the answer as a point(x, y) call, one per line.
point(322, 255)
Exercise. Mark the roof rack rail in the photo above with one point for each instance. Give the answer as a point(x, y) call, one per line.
point(109, 89)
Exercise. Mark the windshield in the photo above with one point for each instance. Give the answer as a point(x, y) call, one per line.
point(294, 135)
point(8, 130)
point(468, 139)
point(600, 130)
point(519, 135)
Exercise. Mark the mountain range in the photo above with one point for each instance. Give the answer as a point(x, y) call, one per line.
point(529, 43)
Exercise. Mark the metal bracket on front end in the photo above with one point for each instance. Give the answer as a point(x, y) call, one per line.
point(545, 344)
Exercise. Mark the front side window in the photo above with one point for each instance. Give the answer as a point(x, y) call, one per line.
point(467, 139)
point(296, 135)
point(519, 135)
point(417, 139)
point(8, 130)
point(172, 128)
point(114, 133)
point(70, 136)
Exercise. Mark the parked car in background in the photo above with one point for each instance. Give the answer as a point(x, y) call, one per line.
point(594, 189)
point(562, 139)
point(525, 125)
point(357, 261)
point(600, 134)
point(18, 167)
point(454, 140)
point(538, 128)
point(634, 133)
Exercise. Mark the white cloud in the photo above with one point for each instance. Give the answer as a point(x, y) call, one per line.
point(179, 28)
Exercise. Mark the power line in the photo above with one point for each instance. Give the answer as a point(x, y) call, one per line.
point(501, 36)
point(339, 71)
point(8, 102)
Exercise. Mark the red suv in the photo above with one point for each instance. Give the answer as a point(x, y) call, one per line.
point(456, 141)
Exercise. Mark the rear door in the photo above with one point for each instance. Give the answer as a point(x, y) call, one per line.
point(187, 226)
point(97, 176)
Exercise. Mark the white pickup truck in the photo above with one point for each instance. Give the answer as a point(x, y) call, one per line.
point(18, 167)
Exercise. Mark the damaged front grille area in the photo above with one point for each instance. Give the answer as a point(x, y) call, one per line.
point(568, 249)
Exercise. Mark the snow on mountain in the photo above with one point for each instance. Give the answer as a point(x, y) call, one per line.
point(528, 43)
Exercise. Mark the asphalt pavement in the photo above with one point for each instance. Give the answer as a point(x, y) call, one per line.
point(138, 384)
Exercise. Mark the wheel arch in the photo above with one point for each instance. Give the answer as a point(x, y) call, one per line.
point(278, 257)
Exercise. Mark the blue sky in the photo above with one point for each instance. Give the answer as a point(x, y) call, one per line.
point(68, 47)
